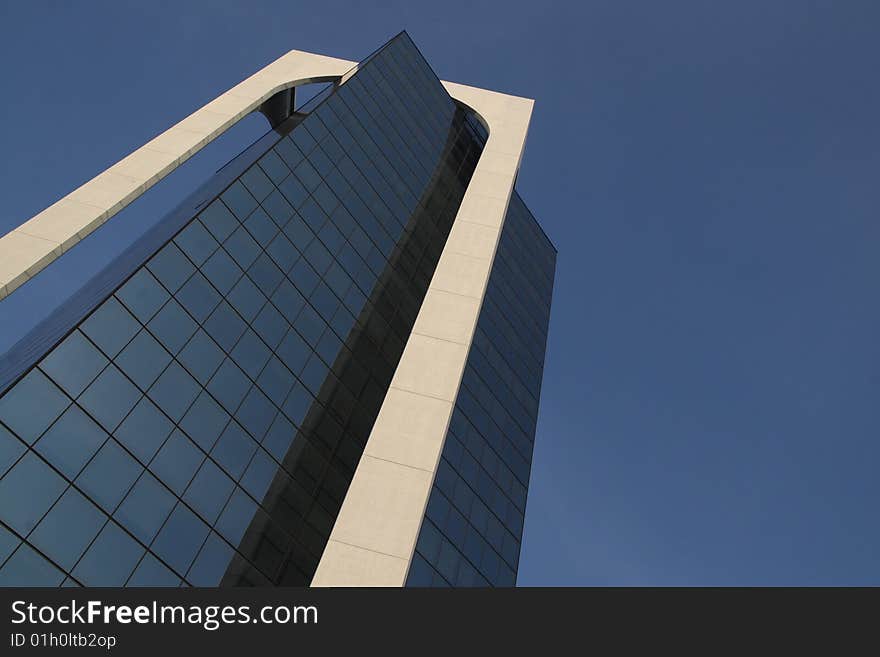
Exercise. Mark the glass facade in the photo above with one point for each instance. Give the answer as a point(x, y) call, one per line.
point(202, 423)
point(471, 532)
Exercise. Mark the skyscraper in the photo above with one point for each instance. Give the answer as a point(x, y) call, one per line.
point(323, 368)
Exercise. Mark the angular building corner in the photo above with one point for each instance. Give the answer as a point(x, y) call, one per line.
point(323, 369)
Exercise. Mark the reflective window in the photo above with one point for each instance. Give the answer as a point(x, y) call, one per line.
point(109, 475)
point(143, 359)
point(152, 572)
point(71, 441)
point(171, 267)
point(26, 567)
point(145, 508)
point(218, 220)
point(180, 539)
point(68, 528)
point(110, 327)
point(27, 491)
point(74, 363)
point(174, 391)
point(143, 295)
point(177, 462)
point(110, 397)
point(110, 559)
point(144, 430)
point(32, 405)
point(172, 326)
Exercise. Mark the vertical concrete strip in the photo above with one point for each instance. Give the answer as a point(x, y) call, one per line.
point(374, 537)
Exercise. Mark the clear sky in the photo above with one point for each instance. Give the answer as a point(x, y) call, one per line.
point(709, 172)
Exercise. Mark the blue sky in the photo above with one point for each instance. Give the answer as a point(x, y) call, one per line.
point(709, 172)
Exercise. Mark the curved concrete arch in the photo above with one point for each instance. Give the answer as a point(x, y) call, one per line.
point(30, 247)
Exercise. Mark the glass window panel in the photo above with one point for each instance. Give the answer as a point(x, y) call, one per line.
point(209, 490)
point(142, 295)
point(259, 474)
point(71, 441)
point(28, 568)
point(299, 232)
point(145, 508)
point(429, 541)
point(261, 227)
point(420, 573)
point(180, 539)
point(198, 297)
point(265, 274)
point(225, 326)
point(239, 200)
point(229, 385)
point(222, 271)
point(110, 397)
point(234, 450)
point(246, 299)
point(236, 516)
point(11, 448)
point(294, 191)
point(274, 167)
point(196, 242)
point(144, 430)
point(242, 247)
point(109, 475)
point(218, 220)
point(447, 561)
point(291, 155)
point(278, 209)
point(280, 435)
point(177, 462)
point(282, 252)
point(270, 325)
point(110, 559)
point(212, 562)
point(174, 391)
point(288, 300)
point(8, 543)
point(143, 359)
point(474, 545)
point(173, 326)
point(307, 174)
point(303, 140)
point(152, 572)
point(27, 491)
point(204, 421)
point(201, 356)
point(314, 217)
point(111, 326)
point(314, 374)
point(257, 183)
point(256, 413)
point(310, 325)
point(171, 267)
point(276, 381)
point(68, 528)
point(31, 405)
point(489, 565)
point(74, 363)
point(251, 354)
point(297, 404)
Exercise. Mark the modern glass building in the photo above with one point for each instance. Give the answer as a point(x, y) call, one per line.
point(322, 369)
